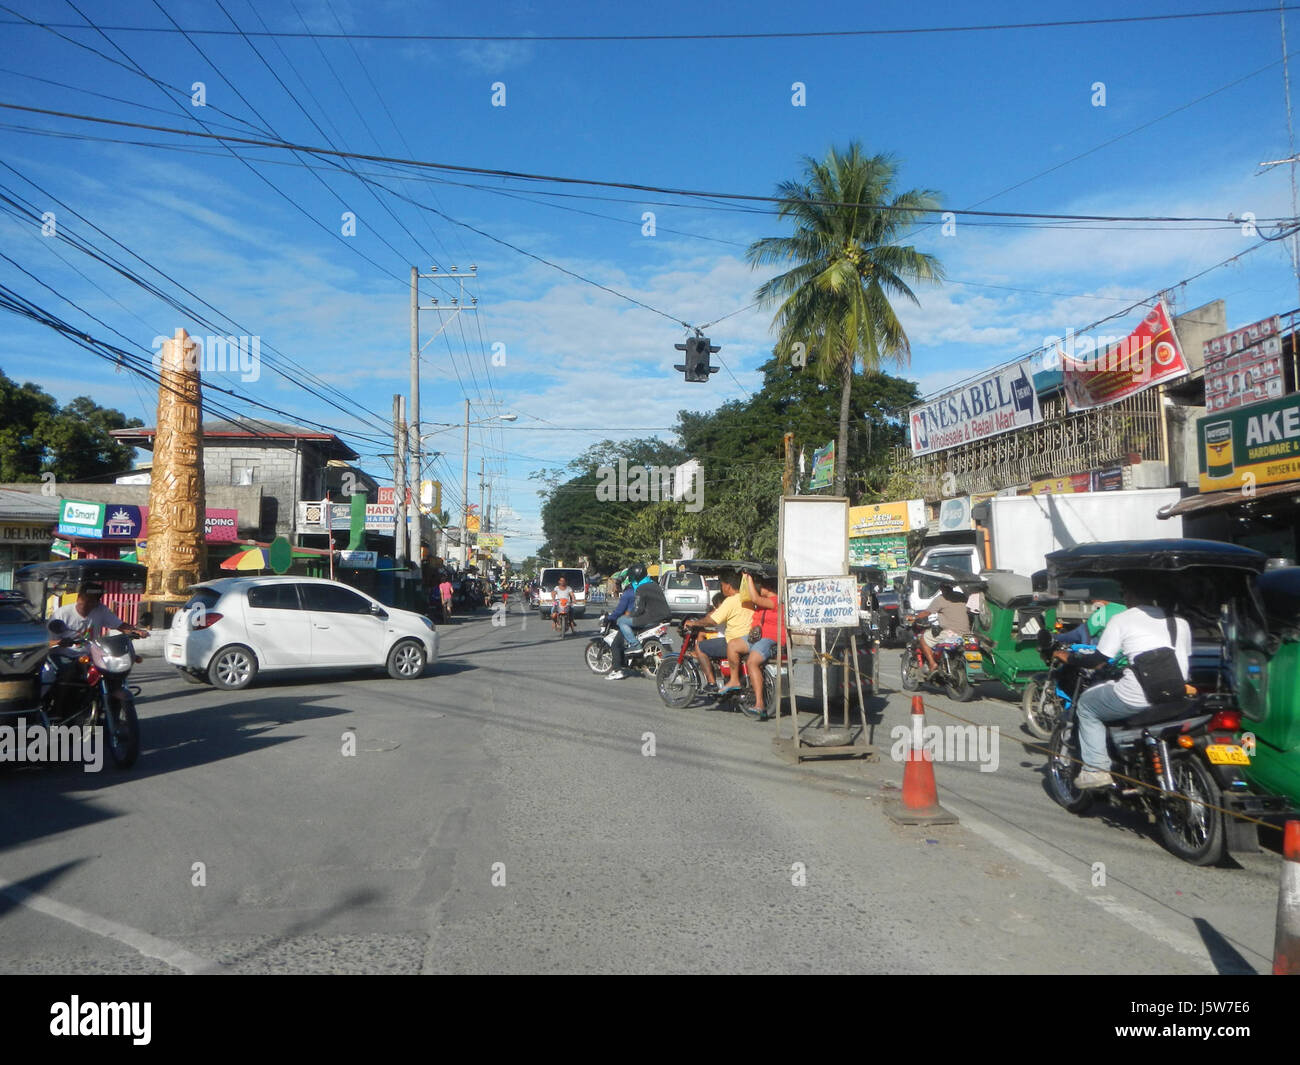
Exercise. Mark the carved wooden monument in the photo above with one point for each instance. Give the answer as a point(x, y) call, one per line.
point(177, 505)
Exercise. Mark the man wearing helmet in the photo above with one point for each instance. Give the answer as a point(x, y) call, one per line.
point(649, 608)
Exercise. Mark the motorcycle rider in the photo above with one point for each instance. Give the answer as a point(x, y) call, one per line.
point(649, 608)
point(88, 615)
point(1141, 628)
point(950, 605)
point(734, 619)
point(620, 612)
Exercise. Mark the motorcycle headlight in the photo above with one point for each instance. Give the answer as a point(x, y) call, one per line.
point(118, 663)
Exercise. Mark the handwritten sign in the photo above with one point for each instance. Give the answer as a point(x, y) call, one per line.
point(822, 603)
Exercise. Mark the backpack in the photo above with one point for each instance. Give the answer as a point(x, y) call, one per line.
point(1158, 673)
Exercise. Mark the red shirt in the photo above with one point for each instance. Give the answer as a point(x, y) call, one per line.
point(768, 619)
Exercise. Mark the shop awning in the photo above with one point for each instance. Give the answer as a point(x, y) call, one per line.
point(1233, 497)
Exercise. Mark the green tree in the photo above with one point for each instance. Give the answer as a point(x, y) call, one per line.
point(74, 442)
point(845, 267)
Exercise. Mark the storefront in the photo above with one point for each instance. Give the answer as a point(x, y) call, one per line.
point(26, 528)
point(119, 530)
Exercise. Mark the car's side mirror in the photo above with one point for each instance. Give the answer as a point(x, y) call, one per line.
point(379, 612)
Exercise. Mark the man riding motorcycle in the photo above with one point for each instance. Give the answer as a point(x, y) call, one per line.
point(1138, 631)
point(950, 605)
point(649, 608)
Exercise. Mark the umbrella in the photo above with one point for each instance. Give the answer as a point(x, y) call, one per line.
point(253, 558)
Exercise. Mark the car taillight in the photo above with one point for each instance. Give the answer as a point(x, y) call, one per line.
point(92, 675)
point(1225, 720)
point(206, 620)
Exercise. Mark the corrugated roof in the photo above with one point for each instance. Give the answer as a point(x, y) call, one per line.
point(28, 506)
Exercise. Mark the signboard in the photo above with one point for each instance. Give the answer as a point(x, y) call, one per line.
point(1111, 480)
point(431, 496)
point(823, 467)
point(123, 522)
point(879, 519)
point(495, 540)
point(1148, 356)
point(954, 514)
point(1244, 366)
point(471, 523)
point(813, 535)
point(359, 559)
point(1069, 484)
point(311, 517)
point(1261, 440)
point(81, 519)
point(24, 534)
point(887, 552)
point(822, 603)
point(380, 517)
point(995, 403)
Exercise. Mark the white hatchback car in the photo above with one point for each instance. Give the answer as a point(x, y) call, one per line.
point(234, 627)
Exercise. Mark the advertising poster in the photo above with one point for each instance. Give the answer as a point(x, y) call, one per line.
point(880, 519)
point(1244, 366)
point(823, 466)
point(1148, 356)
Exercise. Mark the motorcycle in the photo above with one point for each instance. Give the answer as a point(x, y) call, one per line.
point(84, 682)
point(1183, 763)
point(680, 680)
point(959, 665)
point(655, 644)
point(1048, 695)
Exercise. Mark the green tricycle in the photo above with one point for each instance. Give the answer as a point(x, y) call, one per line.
point(1007, 626)
point(1275, 763)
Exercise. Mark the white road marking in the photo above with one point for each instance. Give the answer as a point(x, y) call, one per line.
point(142, 942)
point(1143, 922)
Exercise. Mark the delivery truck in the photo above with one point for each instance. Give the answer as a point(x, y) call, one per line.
point(1016, 533)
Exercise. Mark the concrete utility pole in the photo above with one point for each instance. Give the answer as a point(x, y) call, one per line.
point(399, 478)
point(464, 503)
point(457, 304)
point(482, 513)
point(410, 514)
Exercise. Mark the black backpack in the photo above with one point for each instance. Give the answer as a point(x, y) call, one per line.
point(1158, 672)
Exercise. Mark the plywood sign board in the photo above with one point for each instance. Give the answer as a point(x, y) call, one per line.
point(814, 534)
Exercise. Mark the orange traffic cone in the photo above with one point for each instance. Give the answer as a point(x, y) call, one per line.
point(1286, 947)
point(920, 803)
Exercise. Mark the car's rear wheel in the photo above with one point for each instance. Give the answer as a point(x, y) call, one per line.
point(407, 659)
point(232, 668)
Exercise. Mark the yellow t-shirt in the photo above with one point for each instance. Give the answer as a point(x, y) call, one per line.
point(737, 619)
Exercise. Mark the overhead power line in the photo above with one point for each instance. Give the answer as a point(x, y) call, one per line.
point(521, 175)
point(542, 38)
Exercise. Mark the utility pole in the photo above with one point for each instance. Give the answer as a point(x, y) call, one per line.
point(399, 478)
point(788, 474)
point(482, 514)
point(464, 508)
point(457, 304)
point(410, 514)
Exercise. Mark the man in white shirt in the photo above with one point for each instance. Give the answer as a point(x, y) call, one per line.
point(1143, 627)
point(89, 615)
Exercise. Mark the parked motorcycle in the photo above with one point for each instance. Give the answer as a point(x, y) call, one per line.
point(680, 680)
point(84, 682)
point(655, 644)
point(959, 665)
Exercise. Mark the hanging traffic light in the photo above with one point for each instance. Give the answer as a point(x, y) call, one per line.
point(697, 366)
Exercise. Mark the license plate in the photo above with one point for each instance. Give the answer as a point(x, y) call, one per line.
point(1227, 754)
point(975, 656)
point(173, 653)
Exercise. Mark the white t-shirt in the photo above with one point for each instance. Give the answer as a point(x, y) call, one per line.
point(563, 595)
point(99, 619)
point(1138, 629)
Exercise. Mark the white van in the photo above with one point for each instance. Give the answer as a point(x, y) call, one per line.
point(576, 579)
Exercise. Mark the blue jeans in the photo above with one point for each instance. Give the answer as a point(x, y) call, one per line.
point(629, 637)
point(1095, 708)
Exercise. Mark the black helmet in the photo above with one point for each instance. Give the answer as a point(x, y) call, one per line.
point(636, 573)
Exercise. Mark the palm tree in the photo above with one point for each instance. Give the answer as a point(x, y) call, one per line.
point(835, 299)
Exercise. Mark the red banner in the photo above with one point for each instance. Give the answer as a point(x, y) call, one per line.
point(1148, 356)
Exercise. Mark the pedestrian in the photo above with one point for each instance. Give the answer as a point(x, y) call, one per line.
point(445, 590)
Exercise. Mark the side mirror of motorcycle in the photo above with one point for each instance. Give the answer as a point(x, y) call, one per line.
point(58, 627)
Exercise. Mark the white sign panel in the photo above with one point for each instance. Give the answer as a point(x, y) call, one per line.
point(358, 559)
point(993, 404)
point(822, 603)
point(814, 535)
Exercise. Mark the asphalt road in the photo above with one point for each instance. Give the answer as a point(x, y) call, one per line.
point(505, 814)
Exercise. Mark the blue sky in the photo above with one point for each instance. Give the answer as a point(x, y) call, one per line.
point(1004, 119)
